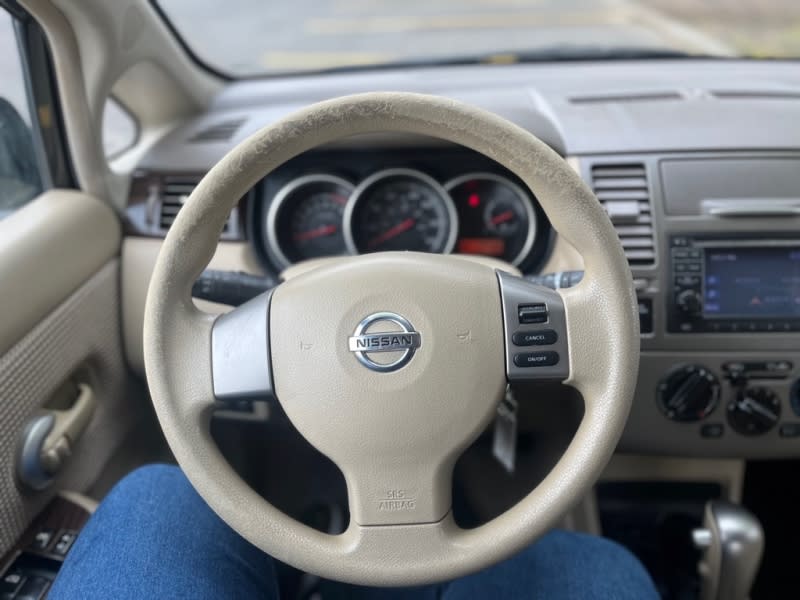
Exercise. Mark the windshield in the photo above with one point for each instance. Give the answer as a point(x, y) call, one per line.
point(244, 38)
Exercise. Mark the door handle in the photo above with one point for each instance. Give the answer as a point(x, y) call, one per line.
point(49, 438)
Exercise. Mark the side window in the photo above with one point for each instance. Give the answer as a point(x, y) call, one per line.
point(20, 179)
point(120, 129)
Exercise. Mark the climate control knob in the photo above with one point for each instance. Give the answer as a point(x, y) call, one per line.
point(754, 411)
point(690, 302)
point(689, 393)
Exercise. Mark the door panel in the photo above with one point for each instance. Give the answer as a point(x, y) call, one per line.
point(59, 294)
point(47, 248)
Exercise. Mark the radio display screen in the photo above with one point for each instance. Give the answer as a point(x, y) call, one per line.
point(752, 283)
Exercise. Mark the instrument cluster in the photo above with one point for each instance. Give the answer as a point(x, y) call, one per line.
point(322, 214)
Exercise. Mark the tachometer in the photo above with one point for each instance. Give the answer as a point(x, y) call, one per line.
point(496, 217)
point(400, 209)
point(305, 218)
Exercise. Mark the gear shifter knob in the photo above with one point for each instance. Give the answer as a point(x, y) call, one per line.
point(733, 542)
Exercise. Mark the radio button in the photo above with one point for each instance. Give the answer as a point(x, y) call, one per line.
point(712, 430)
point(689, 301)
point(645, 315)
point(788, 430)
point(687, 280)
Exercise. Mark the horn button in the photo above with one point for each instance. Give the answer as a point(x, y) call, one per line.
point(390, 364)
point(384, 342)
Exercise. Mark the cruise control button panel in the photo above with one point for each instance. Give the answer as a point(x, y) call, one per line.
point(535, 331)
point(535, 337)
point(536, 359)
point(532, 313)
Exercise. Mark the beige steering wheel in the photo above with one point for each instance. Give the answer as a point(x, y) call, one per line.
point(392, 364)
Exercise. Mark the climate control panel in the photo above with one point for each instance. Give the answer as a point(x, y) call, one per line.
point(754, 410)
point(689, 393)
point(751, 394)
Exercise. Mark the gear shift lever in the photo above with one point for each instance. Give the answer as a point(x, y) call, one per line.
point(733, 542)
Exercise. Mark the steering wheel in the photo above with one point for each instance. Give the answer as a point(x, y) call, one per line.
point(392, 364)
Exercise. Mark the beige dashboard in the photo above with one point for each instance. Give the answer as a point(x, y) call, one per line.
point(693, 160)
point(670, 358)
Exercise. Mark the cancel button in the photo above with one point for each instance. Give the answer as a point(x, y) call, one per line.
point(536, 359)
point(545, 337)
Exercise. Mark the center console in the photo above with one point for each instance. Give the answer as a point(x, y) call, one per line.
point(719, 373)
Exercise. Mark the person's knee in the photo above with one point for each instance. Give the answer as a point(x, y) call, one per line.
point(585, 548)
point(580, 565)
point(593, 545)
point(152, 533)
point(152, 471)
point(157, 499)
point(612, 566)
point(151, 485)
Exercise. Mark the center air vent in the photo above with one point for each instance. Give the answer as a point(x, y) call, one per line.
point(175, 191)
point(624, 193)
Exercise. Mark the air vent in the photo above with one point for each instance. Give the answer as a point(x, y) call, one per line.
point(175, 191)
point(219, 132)
point(623, 191)
point(626, 98)
point(174, 194)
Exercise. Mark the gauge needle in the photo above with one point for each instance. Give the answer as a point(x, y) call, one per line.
point(503, 217)
point(314, 233)
point(393, 232)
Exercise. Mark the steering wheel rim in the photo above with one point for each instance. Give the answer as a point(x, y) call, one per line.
point(600, 321)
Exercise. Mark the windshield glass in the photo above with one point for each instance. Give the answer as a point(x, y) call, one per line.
point(255, 37)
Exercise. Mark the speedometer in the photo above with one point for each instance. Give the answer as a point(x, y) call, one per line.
point(305, 218)
point(400, 209)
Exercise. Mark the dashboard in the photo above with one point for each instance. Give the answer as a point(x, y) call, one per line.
point(697, 164)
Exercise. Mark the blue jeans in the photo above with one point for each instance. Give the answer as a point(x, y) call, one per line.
point(154, 537)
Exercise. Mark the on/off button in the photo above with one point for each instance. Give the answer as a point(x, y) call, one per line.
point(536, 359)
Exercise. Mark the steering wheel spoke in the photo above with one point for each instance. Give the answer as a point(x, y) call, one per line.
point(535, 331)
point(240, 360)
point(393, 491)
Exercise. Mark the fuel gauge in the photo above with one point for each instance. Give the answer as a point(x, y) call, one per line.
point(504, 216)
point(495, 215)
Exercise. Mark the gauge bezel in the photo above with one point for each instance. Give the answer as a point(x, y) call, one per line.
point(367, 183)
point(280, 198)
point(527, 202)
